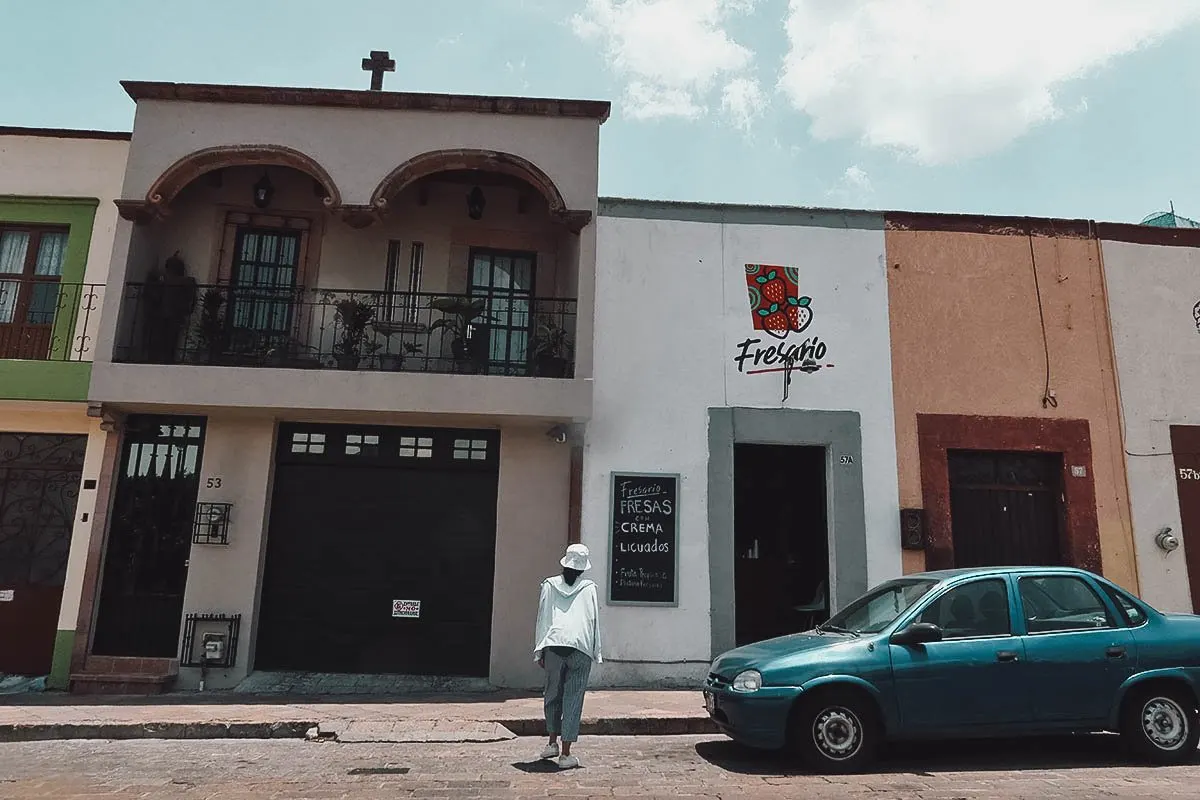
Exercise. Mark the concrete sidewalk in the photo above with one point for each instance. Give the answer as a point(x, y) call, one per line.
point(489, 717)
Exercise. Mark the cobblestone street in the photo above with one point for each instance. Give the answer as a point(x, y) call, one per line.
point(675, 767)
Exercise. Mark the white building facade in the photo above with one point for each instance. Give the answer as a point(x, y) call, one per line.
point(742, 371)
point(1153, 285)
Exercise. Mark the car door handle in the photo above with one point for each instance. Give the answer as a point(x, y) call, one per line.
point(1007, 656)
point(1115, 652)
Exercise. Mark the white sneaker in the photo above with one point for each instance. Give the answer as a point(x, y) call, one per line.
point(568, 762)
point(550, 753)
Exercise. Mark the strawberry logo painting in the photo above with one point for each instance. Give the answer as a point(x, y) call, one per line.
point(776, 304)
point(778, 309)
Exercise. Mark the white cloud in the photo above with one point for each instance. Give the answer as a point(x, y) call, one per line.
point(854, 185)
point(744, 101)
point(947, 80)
point(673, 54)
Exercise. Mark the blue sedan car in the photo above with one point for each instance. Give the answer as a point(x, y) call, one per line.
point(994, 652)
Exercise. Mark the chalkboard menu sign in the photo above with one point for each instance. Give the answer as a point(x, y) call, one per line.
point(644, 540)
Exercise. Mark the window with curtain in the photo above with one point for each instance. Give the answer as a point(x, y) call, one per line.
point(31, 265)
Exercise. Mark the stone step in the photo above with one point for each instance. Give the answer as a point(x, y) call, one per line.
point(119, 684)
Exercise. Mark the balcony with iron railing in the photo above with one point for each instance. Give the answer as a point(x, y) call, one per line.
point(345, 350)
point(47, 338)
point(256, 326)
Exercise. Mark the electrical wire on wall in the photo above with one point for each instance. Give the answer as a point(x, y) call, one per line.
point(1048, 398)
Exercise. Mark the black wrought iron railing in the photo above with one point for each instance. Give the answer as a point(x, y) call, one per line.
point(265, 326)
point(45, 320)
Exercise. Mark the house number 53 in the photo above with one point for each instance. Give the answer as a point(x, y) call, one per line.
point(212, 483)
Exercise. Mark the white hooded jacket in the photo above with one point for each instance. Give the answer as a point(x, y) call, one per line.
point(568, 616)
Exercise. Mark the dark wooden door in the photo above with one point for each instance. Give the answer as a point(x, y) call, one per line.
point(39, 487)
point(361, 517)
point(150, 538)
point(1185, 444)
point(1006, 508)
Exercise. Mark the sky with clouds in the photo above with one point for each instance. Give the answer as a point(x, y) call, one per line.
point(1074, 108)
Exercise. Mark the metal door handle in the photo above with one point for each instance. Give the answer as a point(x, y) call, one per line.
point(1115, 652)
point(1007, 656)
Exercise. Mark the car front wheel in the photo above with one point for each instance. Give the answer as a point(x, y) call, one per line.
point(835, 731)
point(1160, 724)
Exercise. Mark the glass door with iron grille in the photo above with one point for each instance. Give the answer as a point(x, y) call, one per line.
point(31, 264)
point(263, 295)
point(505, 281)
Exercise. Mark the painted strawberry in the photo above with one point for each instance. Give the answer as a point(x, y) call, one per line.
point(774, 288)
point(775, 320)
point(799, 315)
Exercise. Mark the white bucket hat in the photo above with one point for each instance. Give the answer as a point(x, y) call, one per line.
point(577, 558)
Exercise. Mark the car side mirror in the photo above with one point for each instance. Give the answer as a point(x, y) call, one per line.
point(917, 633)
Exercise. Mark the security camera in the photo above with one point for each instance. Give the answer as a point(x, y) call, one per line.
point(557, 434)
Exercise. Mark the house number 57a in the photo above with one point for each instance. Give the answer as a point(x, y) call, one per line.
point(212, 483)
point(845, 459)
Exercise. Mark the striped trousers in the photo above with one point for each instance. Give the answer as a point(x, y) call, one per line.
point(567, 672)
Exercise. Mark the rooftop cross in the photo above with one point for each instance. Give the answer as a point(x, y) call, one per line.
point(377, 64)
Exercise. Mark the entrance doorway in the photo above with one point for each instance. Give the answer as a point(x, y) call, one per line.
point(263, 294)
point(781, 540)
point(1185, 444)
point(1006, 508)
point(362, 517)
point(39, 486)
point(146, 555)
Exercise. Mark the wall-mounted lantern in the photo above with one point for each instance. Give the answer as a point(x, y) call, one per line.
point(475, 203)
point(264, 190)
point(1167, 541)
point(211, 523)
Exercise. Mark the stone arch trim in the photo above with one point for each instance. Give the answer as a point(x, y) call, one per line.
point(187, 169)
point(437, 161)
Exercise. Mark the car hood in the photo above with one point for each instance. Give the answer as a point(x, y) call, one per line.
point(764, 655)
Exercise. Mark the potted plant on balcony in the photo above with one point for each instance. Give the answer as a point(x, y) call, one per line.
point(212, 335)
point(354, 316)
point(460, 315)
point(552, 350)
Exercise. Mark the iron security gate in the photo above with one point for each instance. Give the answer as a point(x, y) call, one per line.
point(363, 517)
point(145, 558)
point(1006, 508)
point(39, 487)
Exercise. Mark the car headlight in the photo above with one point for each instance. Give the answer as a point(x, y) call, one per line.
point(748, 681)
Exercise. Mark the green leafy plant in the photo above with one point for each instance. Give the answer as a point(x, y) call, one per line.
point(353, 316)
point(459, 314)
point(552, 349)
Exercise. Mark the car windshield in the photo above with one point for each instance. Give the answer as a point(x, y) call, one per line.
point(880, 607)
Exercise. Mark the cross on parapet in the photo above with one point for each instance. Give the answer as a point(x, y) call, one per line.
point(379, 63)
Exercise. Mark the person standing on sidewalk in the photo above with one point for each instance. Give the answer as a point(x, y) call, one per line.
point(567, 643)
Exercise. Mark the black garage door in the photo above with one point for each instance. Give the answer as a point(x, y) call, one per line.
point(363, 517)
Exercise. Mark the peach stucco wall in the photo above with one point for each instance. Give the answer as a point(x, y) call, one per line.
point(967, 339)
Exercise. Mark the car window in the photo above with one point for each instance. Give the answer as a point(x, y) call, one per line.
point(1055, 603)
point(979, 608)
point(1133, 615)
point(877, 609)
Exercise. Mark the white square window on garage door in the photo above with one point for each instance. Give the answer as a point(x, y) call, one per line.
point(416, 447)
point(470, 449)
point(308, 443)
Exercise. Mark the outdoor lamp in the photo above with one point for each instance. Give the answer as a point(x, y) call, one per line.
point(263, 192)
point(475, 203)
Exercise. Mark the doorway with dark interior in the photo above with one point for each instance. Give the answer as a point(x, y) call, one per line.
point(1006, 508)
point(781, 540)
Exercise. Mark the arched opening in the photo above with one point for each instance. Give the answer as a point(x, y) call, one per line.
point(233, 233)
point(484, 251)
point(490, 162)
